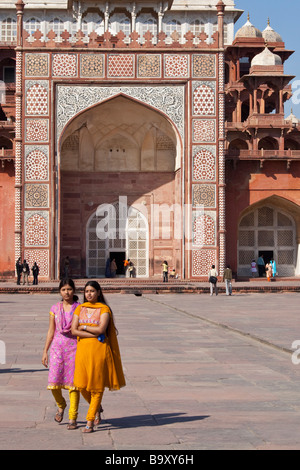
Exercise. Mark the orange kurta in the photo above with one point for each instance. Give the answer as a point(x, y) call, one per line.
point(98, 364)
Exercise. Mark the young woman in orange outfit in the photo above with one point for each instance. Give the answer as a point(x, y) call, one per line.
point(98, 362)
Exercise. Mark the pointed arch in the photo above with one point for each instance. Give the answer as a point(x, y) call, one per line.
point(270, 226)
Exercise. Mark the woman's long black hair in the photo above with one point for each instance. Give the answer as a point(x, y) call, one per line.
point(100, 299)
point(68, 282)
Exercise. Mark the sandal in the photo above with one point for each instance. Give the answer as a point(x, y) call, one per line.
point(59, 416)
point(72, 425)
point(88, 429)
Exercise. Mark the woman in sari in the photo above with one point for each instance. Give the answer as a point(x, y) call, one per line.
point(98, 362)
point(62, 346)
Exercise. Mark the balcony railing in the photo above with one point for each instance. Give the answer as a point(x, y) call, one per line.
point(262, 154)
point(120, 40)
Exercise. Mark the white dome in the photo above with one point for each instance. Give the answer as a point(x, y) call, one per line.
point(292, 118)
point(270, 35)
point(248, 31)
point(266, 57)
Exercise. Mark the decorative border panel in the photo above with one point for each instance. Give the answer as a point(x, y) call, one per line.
point(41, 257)
point(149, 66)
point(37, 65)
point(36, 162)
point(37, 97)
point(36, 130)
point(92, 65)
point(204, 66)
point(202, 260)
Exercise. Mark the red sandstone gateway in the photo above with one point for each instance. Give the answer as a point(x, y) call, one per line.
point(158, 103)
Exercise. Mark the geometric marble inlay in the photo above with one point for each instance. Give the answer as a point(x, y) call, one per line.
point(41, 257)
point(204, 66)
point(36, 229)
point(204, 165)
point(36, 195)
point(202, 260)
point(91, 65)
point(121, 65)
point(204, 195)
point(204, 100)
point(37, 65)
point(36, 130)
point(203, 230)
point(176, 66)
point(36, 165)
point(149, 65)
point(204, 130)
point(64, 65)
point(37, 98)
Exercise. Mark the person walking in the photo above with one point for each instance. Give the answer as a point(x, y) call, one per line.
point(227, 278)
point(19, 268)
point(98, 362)
point(165, 271)
point(25, 272)
point(213, 280)
point(269, 271)
point(35, 272)
point(62, 345)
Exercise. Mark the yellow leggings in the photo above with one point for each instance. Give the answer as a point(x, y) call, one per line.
point(94, 399)
point(74, 396)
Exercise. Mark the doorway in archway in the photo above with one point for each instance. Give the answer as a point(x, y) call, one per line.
point(119, 257)
point(267, 255)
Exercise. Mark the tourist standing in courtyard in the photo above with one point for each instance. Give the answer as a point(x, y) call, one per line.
point(227, 278)
point(19, 267)
point(261, 266)
point(98, 362)
point(213, 280)
point(25, 272)
point(35, 272)
point(165, 271)
point(62, 346)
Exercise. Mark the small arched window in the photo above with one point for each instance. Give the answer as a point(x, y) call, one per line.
point(8, 30)
point(57, 26)
point(32, 25)
point(197, 27)
point(172, 26)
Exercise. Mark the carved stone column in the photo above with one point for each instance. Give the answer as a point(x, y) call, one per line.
point(18, 130)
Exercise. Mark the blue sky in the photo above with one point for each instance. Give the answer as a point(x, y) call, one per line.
point(284, 19)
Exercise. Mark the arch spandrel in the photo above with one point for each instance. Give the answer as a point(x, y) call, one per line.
point(71, 100)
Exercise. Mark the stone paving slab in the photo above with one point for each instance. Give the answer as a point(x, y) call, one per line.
point(199, 375)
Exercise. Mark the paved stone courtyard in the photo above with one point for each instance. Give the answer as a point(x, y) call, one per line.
point(202, 373)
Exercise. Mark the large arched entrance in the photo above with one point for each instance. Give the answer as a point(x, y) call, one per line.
point(118, 149)
point(269, 229)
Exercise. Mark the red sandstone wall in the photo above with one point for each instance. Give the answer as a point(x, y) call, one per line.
point(248, 184)
point(7, 220)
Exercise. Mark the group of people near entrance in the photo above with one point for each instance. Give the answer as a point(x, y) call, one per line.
point(82, 352)
point(268, 269)
point(23, 272)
